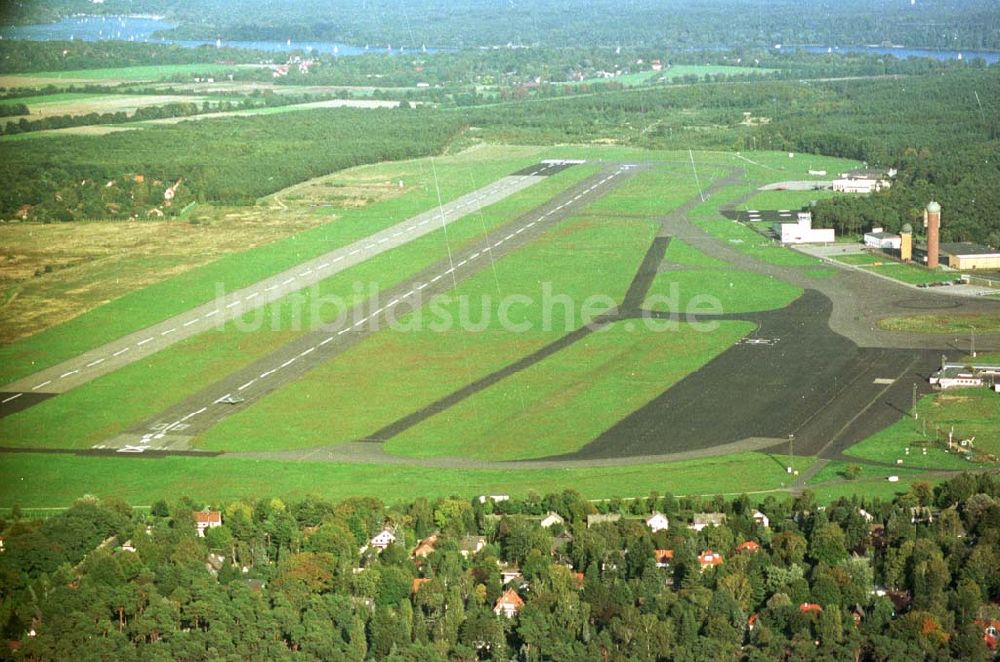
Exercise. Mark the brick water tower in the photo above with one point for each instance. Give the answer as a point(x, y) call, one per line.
point(932, 221)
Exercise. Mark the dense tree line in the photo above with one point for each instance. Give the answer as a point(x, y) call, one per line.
point(28, 56)
point(938, 129)
point(13, 109)
point(855, 580)
point(231, 160)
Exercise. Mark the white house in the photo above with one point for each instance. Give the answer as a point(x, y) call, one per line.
point(882, 240)
point(657, 522)
point(701, 520)
point(207, 519)
point(801, 231)
point(495, 498)
point(383, 539)
point(471, 545)
point(762, 519)
point(551, 519)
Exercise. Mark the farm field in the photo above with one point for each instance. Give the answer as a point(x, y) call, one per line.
point(85, 104)
point(124, 74)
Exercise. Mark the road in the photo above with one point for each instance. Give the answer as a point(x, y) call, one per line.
point(232, 305)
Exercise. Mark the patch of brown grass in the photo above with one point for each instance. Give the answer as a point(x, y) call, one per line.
point(50, 273)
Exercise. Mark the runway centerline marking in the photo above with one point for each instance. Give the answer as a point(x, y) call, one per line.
point(13, 397)
point(42, 385)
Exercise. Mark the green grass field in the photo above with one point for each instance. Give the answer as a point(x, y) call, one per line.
point(40, 481)
point(139, 73)
point(743, 239)
point(969, 412)
point(860, 259)
point(733, 291)
point(451, 176)
point(686, 255)
point(962, 324)
point(78, 419)
point(911, 273)
point(567, 400)
point(769, 200)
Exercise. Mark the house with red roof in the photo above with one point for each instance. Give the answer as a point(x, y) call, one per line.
point(207, 519)
point(810, 608)
point(709, 559)
point(508, 604)
point(750, 546)
point(663, 557)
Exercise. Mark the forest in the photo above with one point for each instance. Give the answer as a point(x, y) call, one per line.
point(963, 24)
point(537, 578)
point(28, 56)
point(229, 160)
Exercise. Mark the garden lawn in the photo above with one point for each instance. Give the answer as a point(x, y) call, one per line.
point(560, 404)
point(734, 291)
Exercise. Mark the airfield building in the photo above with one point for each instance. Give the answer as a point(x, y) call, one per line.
point(801, 231)
point(966, 256)
point(960, 375)
point(881, 240)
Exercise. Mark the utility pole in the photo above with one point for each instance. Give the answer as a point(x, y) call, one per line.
point(915, 414)
point(791, 454)
point(973, 342)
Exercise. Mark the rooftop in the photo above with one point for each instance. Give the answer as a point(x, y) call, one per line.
point(967, 248)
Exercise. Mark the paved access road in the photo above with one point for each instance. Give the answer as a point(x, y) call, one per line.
point(141, 344)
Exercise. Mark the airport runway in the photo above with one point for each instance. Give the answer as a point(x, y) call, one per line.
point(174, 428)
point(133, 347)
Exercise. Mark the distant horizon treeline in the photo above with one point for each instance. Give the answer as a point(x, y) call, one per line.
point(459, 23)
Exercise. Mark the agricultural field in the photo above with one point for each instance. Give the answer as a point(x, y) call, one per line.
point(119, 74)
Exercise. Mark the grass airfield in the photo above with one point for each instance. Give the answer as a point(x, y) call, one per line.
point(554, 406)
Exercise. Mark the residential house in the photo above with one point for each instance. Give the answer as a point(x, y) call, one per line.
point(383, 539)
point(761, 519)
point(471, 545)
point(750, 546)
point(657, 522)
point(207, 519)
point(709, 559)
point(810, 608)
point(663, 557)
point(991, 633)
point(921, 515)
point(867, 515)
point(508, 604)
point(495, 498)
point(426, 547)
point(551, 519)
point(128, 547)
point(509, 574)
point(610, 518)
point(417, 583)
point(559, 542)
point(701, 520)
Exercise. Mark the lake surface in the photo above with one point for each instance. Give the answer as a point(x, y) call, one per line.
point(142, 28)
point(990, 57)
